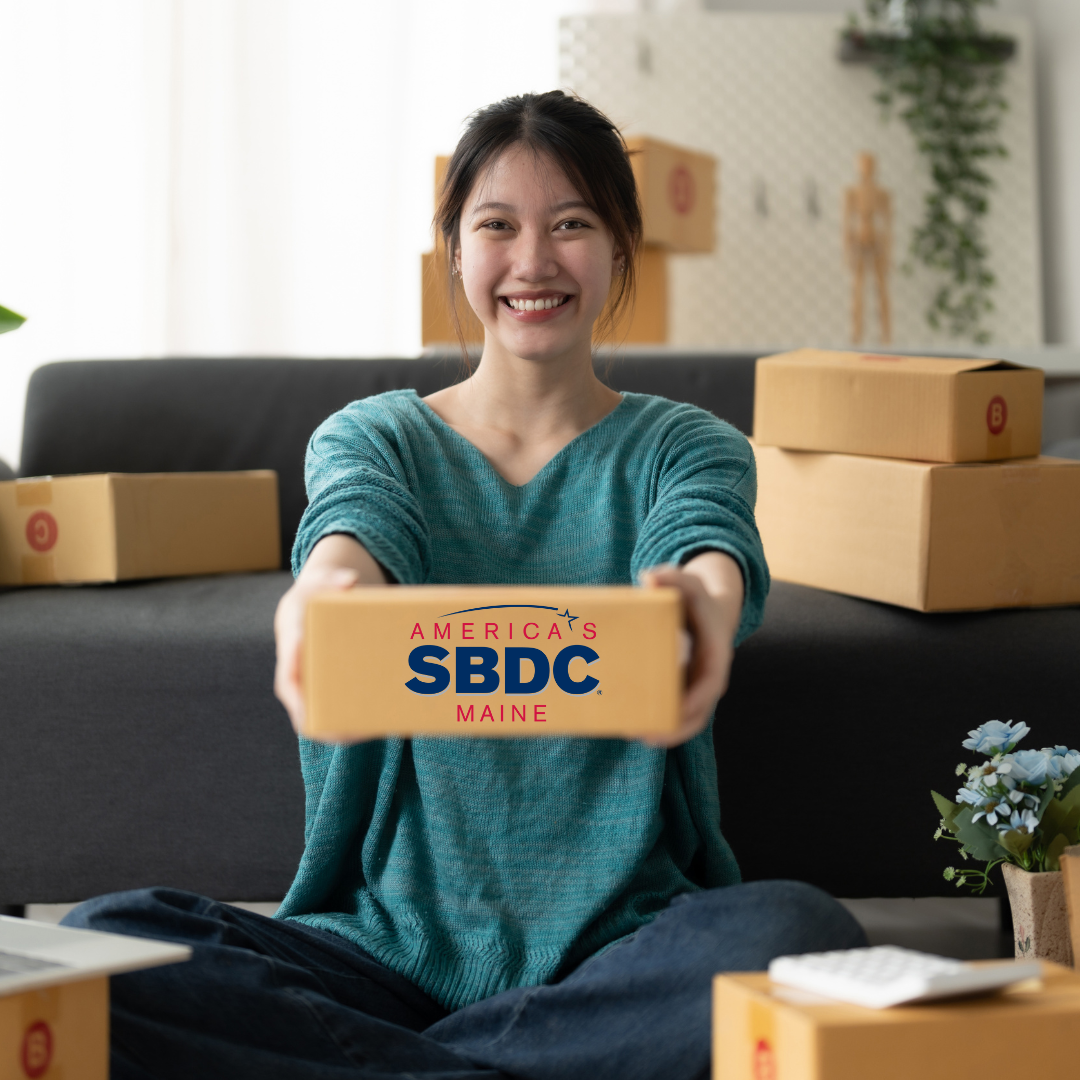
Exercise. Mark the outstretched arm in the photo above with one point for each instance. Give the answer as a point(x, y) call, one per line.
point(335, 562)
point(712, 592)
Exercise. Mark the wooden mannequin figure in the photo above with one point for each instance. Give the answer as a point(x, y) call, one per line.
point(868, 243)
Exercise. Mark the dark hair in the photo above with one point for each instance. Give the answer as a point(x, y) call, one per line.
point(583, 142)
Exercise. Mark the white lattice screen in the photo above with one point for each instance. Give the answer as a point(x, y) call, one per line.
point(767, 95)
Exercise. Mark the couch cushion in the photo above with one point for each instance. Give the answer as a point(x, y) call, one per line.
point(844, 713)
point(142, 743)
point(193, 415)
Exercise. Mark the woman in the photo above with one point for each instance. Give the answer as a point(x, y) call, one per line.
point(473, 907)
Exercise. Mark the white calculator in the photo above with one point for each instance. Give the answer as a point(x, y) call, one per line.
point(887, 975)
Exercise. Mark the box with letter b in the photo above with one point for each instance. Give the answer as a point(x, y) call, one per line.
point(492, 661)
point(918, 407)
point(764, 1031)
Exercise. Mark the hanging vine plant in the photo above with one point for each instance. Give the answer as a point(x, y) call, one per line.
point(944, 75)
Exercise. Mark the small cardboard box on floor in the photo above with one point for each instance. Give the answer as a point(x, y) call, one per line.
point(56, 1033)
point(492, 661)
point(762, 1031)
point(54, 997)
point(120, 526)
point(922, 535)
point(916, 407)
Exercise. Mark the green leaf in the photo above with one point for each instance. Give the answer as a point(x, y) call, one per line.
point(948, 810)
point(10, 320)
point(1071, 784)
point(980, 840)
point(1069, 800)
point(1052, 858)
point(1062, 816)
point(1015, 842)
point(1044, 801)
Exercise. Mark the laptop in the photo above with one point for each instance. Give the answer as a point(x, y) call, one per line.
point(36, 954)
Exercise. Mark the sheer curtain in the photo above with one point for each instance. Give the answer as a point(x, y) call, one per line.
point(216, 177)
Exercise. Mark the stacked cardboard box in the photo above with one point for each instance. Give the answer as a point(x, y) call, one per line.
point(677, 189)
point(913, 480)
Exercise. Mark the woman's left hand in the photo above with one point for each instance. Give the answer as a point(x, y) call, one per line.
point(712, 592)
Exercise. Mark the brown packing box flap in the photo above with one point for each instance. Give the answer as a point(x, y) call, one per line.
point(761, 1030)
point(492, 661)
point(925, 536)
point(917, 407)
point(120, 526)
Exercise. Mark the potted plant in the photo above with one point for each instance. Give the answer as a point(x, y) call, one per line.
point(1018, 810)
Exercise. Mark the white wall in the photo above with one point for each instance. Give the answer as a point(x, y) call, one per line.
point(242, 177)
point(228, 176)
point(1057, 29)
point(1057, 64)
point(764, 94)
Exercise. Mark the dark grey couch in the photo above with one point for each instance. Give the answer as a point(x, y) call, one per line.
point(141, 743)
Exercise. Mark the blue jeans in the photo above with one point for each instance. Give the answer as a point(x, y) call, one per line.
point(267, 999)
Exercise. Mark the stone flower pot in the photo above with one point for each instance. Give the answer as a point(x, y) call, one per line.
point(1040, 918)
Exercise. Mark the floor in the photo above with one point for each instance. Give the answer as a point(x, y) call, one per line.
point(968, 928)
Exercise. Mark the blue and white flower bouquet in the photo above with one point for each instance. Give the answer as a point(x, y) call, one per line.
point(1020, 806)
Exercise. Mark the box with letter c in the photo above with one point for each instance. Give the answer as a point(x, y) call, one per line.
point(123, 526)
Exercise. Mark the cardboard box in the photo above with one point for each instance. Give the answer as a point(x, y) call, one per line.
point(766, 1032)
point(492, 661)
point(916, 407)
point(677, 190)
point(118, 526)
point(56, 1033)
point(922, 535)
point(54, 1010)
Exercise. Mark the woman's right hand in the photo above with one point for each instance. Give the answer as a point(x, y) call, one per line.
point(336, 562)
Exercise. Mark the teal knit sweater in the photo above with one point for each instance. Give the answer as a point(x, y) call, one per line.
point(474, 865)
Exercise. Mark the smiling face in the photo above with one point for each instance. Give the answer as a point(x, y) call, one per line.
point(536, 262)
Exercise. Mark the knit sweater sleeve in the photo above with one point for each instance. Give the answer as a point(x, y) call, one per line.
point(360, 477)
point(703, 490)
